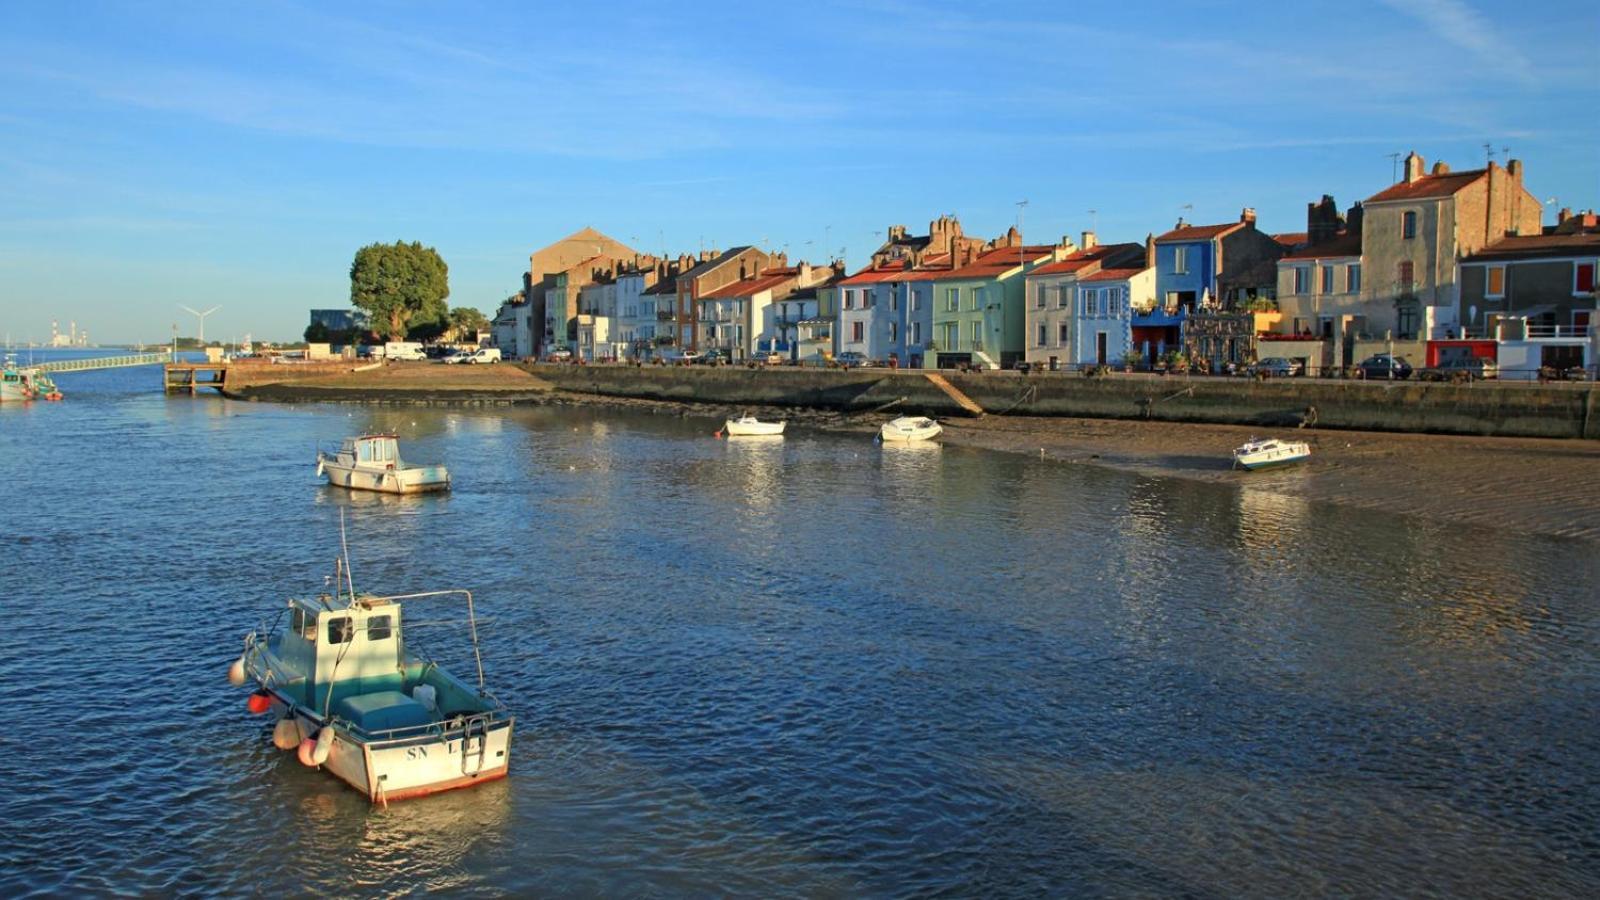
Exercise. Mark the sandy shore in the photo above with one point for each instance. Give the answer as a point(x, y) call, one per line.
point(1529, 485)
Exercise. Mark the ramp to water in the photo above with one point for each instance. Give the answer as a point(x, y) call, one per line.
point(961, 400)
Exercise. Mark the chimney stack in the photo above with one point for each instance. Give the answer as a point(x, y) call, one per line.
point(1515, 168)
point(1564, 214)
point(1149, 251)
point(1089, 241)
point(1248, 215)
point(1413, 167)
point(1441, 168)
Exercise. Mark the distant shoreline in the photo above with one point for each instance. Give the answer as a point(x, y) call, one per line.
point(1539, 486)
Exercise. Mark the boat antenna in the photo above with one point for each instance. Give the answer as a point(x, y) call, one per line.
point(344, 547)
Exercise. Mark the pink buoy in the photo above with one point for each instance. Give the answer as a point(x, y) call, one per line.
point(307, 747)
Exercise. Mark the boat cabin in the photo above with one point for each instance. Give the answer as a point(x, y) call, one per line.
point(373, 450)
point(352, 663)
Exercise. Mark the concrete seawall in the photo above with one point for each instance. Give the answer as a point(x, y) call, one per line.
point(1483, 408)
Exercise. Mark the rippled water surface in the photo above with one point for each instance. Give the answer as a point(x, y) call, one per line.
point(805, 666)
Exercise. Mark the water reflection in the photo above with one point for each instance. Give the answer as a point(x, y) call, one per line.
point(810, 666)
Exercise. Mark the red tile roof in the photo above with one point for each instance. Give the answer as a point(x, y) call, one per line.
point(1534, 246)
point(1340, 245)
point(1292, 239)
point(1199, 232)
point(1428, 186)
point(1082, 258)
point(1112, 275)
point(996, 262)
point(747, 287)
point(895, 273)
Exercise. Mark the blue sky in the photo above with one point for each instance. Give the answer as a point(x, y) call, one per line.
point(163, 153)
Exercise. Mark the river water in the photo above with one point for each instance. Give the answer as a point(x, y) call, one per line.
point(811, 666)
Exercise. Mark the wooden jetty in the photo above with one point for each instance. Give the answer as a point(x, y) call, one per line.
point(186, 376)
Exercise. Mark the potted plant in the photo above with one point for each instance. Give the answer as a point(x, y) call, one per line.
point(1131, 359)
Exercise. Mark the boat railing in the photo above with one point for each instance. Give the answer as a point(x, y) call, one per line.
point(472, 618)
point(429, 729)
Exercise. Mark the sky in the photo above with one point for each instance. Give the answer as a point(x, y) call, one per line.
point(165, 154)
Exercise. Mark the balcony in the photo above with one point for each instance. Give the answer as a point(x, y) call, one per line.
point(665, 316)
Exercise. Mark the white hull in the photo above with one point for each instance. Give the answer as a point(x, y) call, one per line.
point(751, 428)
point(406, 480)
point(415, 767)
point(910, 429)
point(1271, 453)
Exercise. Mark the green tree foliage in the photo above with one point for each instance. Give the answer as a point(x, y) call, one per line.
point(402, 287)
point(317, 333)
point(464, 320)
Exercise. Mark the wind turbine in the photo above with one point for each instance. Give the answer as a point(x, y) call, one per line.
point(201, 316)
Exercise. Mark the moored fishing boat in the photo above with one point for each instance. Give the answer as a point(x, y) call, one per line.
point(910, 428)
point(748, 426)
point(22, 383)
point(371, 462)
point(1263, 452)
point(353, 697)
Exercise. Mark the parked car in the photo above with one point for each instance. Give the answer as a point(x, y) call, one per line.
point(1277, 367)
point(679, 357)
point(558, 355)
point(713, 357)
point(480, 355)
point(773, 359)
point(1470, 368)
point(1384, 366)
point(852, 359)
point(454, 355)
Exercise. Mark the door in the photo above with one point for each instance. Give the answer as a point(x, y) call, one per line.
point(1100, 348)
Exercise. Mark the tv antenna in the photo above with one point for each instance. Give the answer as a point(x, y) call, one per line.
point(1394, 167)
point(201, 318)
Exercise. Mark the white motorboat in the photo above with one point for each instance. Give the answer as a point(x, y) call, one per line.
point(353, 696)
point(910, 428)
point(748, 425)
point(1263, 452)
point(372, 462)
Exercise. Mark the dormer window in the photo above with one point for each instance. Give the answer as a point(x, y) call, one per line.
point(1408, 224)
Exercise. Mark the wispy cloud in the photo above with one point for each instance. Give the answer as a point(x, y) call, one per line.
point(1454, 22)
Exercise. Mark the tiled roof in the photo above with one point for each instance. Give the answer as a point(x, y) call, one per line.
point(1199, 232)
point(1428, 186)
point(1534, 246)
point(748, 287)
point(893, 273)
point(710, 264)
point(1083, 258)
point(1292, 239)
point(1112, 275)
point(994, 262)
point(1340, 245)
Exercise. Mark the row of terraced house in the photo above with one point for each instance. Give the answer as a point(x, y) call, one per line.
point(1437, 266)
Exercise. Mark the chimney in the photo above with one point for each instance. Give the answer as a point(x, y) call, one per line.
point(1180, 225)
point(1441, 168)
point(1515, 168)
point(1149, 251)
point(1089, 242)
point(1413, 167)
point(805, 274)
point(1564, 214)
point(1248, 215)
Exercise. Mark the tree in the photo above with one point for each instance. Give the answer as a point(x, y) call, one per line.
point(317, 333)
point(465, 320)
point(401, 286)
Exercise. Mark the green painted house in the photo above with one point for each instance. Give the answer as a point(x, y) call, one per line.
point(978, 312)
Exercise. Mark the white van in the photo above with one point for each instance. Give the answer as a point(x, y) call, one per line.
point(484, 355)
point(410, 351)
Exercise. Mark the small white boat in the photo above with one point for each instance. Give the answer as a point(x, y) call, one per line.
point(910, 428)
point(372, 462)
point(748, 425)
point(352, 696)
point(1263, 452)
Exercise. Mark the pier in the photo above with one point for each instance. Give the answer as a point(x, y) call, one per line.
point(186, 376)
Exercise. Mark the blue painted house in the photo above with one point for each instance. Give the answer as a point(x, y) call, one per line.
point(1205, 268)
